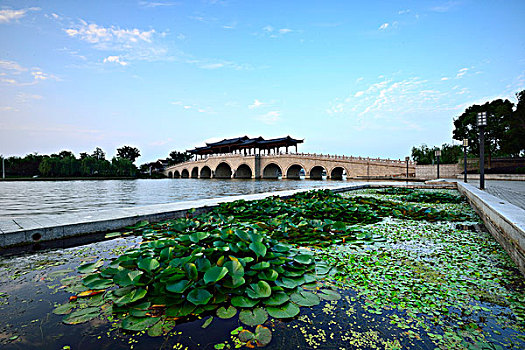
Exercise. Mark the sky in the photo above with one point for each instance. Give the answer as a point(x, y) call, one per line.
point(362, 78)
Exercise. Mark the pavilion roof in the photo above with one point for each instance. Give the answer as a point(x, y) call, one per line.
point(244, 142)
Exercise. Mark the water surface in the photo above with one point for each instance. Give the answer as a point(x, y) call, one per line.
point(29, 198)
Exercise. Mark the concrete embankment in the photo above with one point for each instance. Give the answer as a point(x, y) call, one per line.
point(505, 221)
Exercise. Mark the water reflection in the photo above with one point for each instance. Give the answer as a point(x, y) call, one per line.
point(24, 198)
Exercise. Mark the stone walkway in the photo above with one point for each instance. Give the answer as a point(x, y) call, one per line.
point(510, 191)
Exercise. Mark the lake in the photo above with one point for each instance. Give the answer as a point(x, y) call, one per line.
point(30, 198)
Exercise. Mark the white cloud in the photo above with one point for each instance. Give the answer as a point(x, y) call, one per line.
point(153, 4)
point(115, 59)
point(268, 29)
point(445, 78)
point(393, 103)
point(7, 16)
point(285, 30)
point(15, 74)
point(403, 12)
point(445, 7)
point(271, 117)
point(386, 26)
point(256, 104)
point(12, 66)
point(95, 34)
point(133, 44)
point(212, 65)
point(461, 72)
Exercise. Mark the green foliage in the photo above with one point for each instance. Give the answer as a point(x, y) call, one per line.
point(128, 152)
point(426, 155)
point(178, 157)
point(497, 132)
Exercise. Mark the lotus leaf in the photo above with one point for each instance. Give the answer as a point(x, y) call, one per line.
point(268, 275)
point(276, 299)
point(253, 317)
point(215, 274)
point(191, 271)
point(131, 297)
point(199, 296)
point(180, 310)
point(287, 310)
point(82, 315)
point(258, 248)
point(259, 290)
point(178, 287)
point(226, 313)
point(241, 301)
point(91, 267)
point(64, 309)
point(132, 323)
point(328, 294)
point(148, 264)
point(303, 298)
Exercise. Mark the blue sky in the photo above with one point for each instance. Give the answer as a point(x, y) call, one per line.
point(362, 78)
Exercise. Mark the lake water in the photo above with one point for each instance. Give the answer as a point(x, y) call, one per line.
point(29, 198)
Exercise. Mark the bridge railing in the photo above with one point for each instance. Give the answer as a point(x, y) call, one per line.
point(314, 155)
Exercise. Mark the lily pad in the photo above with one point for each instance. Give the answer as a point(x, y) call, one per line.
point(91, 267)
point(328, 294)
point(226, 313)
point(253, 317)
point(199, 296)
point(82, 315)
point(287, 310)
point(132, 323)
point(214, 274)
point(241, 301)
point(148, 264)
point(303, 298)
point(260, 290)
point(276, 299)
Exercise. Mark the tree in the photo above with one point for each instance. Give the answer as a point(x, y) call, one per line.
point(66, 154)
point(499, 114)
point(99, 154)
point(515, 145)
point(123, 167)
point(425, 155)
point(178, 157)
point(128, 152)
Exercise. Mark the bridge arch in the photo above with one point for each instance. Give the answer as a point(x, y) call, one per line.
point(223, 171)
point(316, 173)
point(170, 174)
point(205, 172)
point(294, 171)
point(195, 173)
point(176, 174)
point(243, 172)
point(337, 173)
point(185, 174)
point(272, 171)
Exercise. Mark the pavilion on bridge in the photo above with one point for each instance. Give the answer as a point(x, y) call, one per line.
point(247, 146)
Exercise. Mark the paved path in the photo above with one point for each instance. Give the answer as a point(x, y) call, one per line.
point(510, 191)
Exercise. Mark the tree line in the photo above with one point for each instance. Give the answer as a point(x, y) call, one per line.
point(95, 164)
point(504, 133)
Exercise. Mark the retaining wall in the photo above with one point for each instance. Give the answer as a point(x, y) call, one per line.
point(505, 221)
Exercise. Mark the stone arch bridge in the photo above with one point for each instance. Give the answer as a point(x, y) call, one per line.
point(288, 166)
